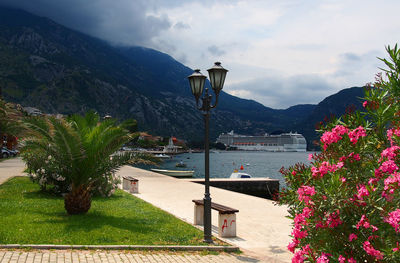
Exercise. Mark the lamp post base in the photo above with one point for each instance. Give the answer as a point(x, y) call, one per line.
point(207, 219)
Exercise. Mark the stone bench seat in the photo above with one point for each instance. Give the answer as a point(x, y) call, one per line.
point(226, 217)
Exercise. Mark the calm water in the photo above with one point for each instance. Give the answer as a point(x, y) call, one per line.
point(222, 164)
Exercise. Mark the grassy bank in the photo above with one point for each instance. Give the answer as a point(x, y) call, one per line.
point(29, 216)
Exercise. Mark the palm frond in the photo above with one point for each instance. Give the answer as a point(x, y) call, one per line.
point(38, 126)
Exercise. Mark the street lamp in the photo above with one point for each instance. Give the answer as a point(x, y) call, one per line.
point(217, 78)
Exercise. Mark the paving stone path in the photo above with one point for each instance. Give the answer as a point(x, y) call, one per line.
point(85, 256)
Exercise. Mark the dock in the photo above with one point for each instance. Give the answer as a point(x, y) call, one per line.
point(260, 187)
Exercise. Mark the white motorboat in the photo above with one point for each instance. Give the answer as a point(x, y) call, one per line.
point(236, 175)
point(162, 156)
point(175, 173)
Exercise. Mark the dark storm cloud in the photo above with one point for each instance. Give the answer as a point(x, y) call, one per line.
point(122, 21)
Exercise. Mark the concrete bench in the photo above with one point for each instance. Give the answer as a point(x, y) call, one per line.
point(226, 217)
point(131, 184)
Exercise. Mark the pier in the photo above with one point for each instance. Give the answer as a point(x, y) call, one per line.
point(260, 187)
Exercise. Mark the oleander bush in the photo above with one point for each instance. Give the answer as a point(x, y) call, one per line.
point(345, 205)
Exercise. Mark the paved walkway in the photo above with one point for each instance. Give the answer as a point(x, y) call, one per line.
point(11, 167)
point(262, 229)
point(76, 256)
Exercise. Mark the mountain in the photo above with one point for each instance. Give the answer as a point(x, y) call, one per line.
point(334, 105)
point(59, 70)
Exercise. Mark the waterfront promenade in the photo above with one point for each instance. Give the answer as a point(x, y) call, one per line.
point(262, 229)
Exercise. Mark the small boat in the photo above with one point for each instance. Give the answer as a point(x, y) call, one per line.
point(175, 173)
point(180, 164)
point(163, 156)
point(236, 175)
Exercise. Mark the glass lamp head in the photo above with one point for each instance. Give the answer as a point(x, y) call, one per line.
point(217, 77)
point(196, 81)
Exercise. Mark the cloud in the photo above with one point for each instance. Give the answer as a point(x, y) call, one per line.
point(282, 92)
point(216, 51)
point(351, 56)
point(181, 25)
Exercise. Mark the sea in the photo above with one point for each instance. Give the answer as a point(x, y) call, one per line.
point(223, 163)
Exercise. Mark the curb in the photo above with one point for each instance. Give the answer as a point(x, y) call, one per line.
point(126, 247)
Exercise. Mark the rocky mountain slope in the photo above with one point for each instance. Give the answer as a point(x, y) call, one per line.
point(334, 105)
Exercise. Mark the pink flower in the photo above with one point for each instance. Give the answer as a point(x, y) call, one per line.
point(372, 181)
point(292, 245)
point(351, 260)
point(355, 134)
point(342, 259)
point(339, 165)
point(333, 219)
point(362, 191)
point(334, 136)
point(388, 167)
point(393, 219)
point(343, 179)
point(294, 173)
point(365, 103)
point(310, 156)
point(372, 251)
point(324, 168)
point(390, 153)
point(298, 234)
point(299, 255)
point(352, 237)
point(305, 192)
point(323, 258)
point(363, 222)
point(391, 183)
point(397, 248)
point(390, 134)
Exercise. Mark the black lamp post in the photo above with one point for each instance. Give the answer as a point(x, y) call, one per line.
point(217, 78)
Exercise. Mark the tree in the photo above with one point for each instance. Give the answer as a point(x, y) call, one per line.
point(345, 205)
point(80, 152)
point(9, 120)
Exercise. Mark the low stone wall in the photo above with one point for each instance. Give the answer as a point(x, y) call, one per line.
point(260, 187)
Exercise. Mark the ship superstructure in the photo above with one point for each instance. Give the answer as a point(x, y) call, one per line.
point(285, 142)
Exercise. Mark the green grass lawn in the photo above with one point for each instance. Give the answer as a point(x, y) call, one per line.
point(29, 216)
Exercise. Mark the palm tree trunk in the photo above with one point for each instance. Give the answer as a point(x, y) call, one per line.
point(78, 201)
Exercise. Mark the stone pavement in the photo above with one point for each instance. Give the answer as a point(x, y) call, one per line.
point(11, 167)
point(96, 256)
point(262, 228)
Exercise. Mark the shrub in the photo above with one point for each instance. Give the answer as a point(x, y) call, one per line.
point(345, 204)
point(76, 156)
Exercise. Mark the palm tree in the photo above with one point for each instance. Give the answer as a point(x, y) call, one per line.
point(82, 150)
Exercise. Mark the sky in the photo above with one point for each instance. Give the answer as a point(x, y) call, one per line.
point(279, 53)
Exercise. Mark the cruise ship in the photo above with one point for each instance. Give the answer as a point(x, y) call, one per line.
point(285, 142)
